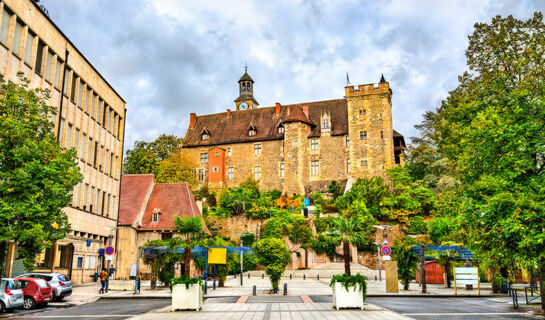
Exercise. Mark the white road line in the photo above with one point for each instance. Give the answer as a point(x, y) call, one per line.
point(467, 314)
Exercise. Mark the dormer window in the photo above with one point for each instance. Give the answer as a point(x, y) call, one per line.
point(325, 123)
point(252, 131)
point(155, 215)
point(205, 135)
point(281, 128)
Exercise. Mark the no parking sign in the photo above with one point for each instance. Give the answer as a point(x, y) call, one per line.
point(109, 252)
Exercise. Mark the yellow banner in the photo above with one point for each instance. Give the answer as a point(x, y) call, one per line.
point(217, 256)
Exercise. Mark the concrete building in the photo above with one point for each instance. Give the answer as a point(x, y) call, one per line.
point(297, 148)
point(146, 213)
point(91, 119)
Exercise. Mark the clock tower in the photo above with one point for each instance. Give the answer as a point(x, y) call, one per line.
point(246, 98)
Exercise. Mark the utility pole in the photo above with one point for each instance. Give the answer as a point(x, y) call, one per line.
point(423, 269)
point(241, 262)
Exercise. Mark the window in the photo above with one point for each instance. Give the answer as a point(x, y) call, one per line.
point(215, 169)
point(281, 128)
point(363, 135)
point(205, 136)
point(295, 143)
point(57, 81)
point(111, 163)
point(314, 144)
point(73, 87)
point(48, 65)
point(90, 151)
point(28, 47)
point(282, 169)
point(217, 153)
point(104, 115)
point(80, 262)
point(202, 175)
point(85, 193)
point(86, 103)
point(363, 163)
point(103, 203)
point(99, 110)
point(229, 152)
point(382, 134)
point(39, 57)
point(82, 147)
point(76, 140)
point(363, 112)
point(61, 131)
point(63, 252)
point(257, 148)
point(16, 44)
point(257, 173)
point(65, 80)
point(252, 132)
point(95, 155)
point(155, 217)
point(93, 101)
point(68, 141)
point(77, 198)
point(347, 141)
point(80, 93)
point(325, 123)
point(314, 168)
point(230, 173)
point(4, 28)
point(97, 203)
point(347, 165)
point(204, 157)
point(92, 200)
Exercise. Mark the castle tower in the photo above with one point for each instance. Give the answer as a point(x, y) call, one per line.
point(371, 149)
point(297, 127)
point(246, 98)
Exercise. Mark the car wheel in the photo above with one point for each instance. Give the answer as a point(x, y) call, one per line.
point(53, 297)
point(29, 303)
point(2, 307)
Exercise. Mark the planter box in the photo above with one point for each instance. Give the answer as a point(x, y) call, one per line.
point(350, 298)
point(121, 285)
point(187, 299)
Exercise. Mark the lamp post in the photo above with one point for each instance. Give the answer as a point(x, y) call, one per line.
point(241, 260)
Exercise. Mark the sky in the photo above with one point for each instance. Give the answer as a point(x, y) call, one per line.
point(168, 58)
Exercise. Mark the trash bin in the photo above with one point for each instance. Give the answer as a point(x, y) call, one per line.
point(95, 276)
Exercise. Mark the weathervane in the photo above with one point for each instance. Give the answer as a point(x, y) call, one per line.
point(246, 66)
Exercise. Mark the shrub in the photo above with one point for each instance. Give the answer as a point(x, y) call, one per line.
point(274, 255)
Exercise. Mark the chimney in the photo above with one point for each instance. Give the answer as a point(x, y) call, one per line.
point(277, 112)
point(305, 110)
point(228, 112)
point(192, 120)
point(289, 111)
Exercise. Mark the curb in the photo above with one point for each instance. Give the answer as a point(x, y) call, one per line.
point(435, 296)
point(133, 297)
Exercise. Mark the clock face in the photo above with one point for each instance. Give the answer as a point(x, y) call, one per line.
point(243, 106)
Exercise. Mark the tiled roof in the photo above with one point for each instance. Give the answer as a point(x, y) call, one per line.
point(234, 129)
point(135, 189)
point(296, 114)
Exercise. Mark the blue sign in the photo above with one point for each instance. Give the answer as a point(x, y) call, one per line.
point(101, 252)
point(307, 202)
point(89, 242)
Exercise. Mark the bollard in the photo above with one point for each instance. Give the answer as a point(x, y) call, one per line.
point(205, 286)
point(317, 277)
point(290, 276)
point(248, 275)
point(285, 289)
point(375, 278)
point(254, 292)
point(304, 276)
point(275, 291)
point(262, 276)
point(236, 276)
point(214, 284)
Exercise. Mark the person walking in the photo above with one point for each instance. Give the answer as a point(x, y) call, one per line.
point(102, 276)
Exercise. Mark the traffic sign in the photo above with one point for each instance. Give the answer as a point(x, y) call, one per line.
point(109, 250)
point(386, 250)
point(385, 243)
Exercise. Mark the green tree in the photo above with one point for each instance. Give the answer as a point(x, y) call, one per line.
point(36, 175)
point(192, 235)
point(160, 262)
point(406, 260)
point(145, 157)
point(275, 256)
point(335, 189)
point(491, 128)
point(177, 167)
point(366, 195)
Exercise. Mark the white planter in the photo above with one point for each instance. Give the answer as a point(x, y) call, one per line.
point(350, 298)
point(187, 299)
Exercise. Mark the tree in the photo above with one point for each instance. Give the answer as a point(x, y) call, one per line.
point(406, 260)
point(335, 189)
point(491, 128)
point(275, 256)
point(145, 157)
point(161, 262)
point(177, 167)
point(353, 230)
point(366, 195)
point(192, 235)
point(36, 175)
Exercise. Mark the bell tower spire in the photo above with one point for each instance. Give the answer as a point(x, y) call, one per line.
point(246, 98)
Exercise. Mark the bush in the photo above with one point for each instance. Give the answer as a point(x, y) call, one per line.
point(275, 256)
point(417, 225)
point(325, 243)
point(335, 189)
point(249, 259)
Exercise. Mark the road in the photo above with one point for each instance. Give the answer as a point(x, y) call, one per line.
point(101, 309)
point(451, 308)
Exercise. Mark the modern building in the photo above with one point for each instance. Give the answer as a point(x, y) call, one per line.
point(297, 148)
point(90, 119)
point(146, 213)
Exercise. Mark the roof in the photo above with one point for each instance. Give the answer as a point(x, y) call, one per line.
point(234, 129)
point(246, 77)
point(167, 199)
point(296, 114)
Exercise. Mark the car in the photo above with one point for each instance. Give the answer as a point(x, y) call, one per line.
point(36, 292)
point(11, 295)
point(60, 284)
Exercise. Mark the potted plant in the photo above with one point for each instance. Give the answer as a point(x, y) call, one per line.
point(187, 293)
point(349, 291)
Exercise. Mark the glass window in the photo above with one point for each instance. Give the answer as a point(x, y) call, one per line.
point(364, 163)
point(282, 169)
point(28, 47)
point(68, 140)
point(204, 157)
point(61, 131)
point(4, 27)
point(205, 136)
point(202, 175)
point(281, 129)
point(257, 173)
point(39, 56)
point(92, 200)
point(85, 192)
point(155, 217)
point(93, 101)
point(48, 63)
point(230, 173)
point(382, 134)
point(228, 151)
point(82, 149)
point(86, 103)
point(314, 144)
point(325, 123)
point(251, 132)
point(16, 44)
point(76, 139)
point(315, 168)
point(363, 135)
point(215, 169)
point(65, 81)
point(80, 93)
point(73, 87)
point(257, 148)
point(347, 165)
point(347, 141)
point(95, 155)
point(80, 262)
point(57, 81)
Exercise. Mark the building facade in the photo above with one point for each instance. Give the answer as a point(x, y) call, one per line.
point(90, 119)
point(297, 148)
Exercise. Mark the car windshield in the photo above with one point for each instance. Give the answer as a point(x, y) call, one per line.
point(14, 284)
point(41, 283)
point(46, 277)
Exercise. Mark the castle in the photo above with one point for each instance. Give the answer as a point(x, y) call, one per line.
point(296, 148)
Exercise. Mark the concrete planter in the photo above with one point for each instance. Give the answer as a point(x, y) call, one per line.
point(190, 298)
point(350, 298)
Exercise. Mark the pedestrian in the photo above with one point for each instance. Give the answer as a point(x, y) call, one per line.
point(103, 275)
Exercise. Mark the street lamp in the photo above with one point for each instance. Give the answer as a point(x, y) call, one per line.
point(241, 260)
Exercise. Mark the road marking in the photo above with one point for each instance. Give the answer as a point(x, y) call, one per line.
point(467, 314)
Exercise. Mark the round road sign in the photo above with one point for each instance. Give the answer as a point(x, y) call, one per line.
point(109, 250)
point(386, 250)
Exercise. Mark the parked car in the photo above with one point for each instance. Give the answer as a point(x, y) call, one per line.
point(36, 292)
point(11, 295)
point(60, 284)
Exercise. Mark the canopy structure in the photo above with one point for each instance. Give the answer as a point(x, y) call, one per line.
point(461, 252)
point(197, 251)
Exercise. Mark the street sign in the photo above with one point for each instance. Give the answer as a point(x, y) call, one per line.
point(217, 256)
point(386, 250)
point(109, 250)
point(385, 243)
point(386, 258)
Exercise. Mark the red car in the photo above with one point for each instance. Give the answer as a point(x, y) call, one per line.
point(37, 292)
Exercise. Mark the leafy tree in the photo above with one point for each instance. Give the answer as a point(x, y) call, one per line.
point(417, 226)
point(161, 263)
point(177, 167)
point(335, 189)
point(36, 175)
point(275, 256)
point(366, 195)
point(145, 157)
point(406, 260)
point(325, 243)
point(192, 235)
point(491, 127)
point(351, 230)
point(446, 259)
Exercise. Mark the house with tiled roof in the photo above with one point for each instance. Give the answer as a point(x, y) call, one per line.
point(296, 148)
point(146, 212)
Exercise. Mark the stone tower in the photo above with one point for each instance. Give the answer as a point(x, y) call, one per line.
point(246, 98)
point(371, 149)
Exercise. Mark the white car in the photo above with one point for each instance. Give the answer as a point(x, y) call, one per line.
point(60, 284)
point(11, 295)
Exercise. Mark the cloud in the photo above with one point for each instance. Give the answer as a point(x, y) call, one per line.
point(168, 58)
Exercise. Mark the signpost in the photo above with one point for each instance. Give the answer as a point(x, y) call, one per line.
point(386, 250)
point(109, 253)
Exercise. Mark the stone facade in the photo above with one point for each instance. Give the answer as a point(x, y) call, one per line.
point(90, 120)
point(298, 148)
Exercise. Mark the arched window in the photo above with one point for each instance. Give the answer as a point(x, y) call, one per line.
point(244, 86)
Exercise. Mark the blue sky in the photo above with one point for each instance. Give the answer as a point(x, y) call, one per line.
point(168, 58)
